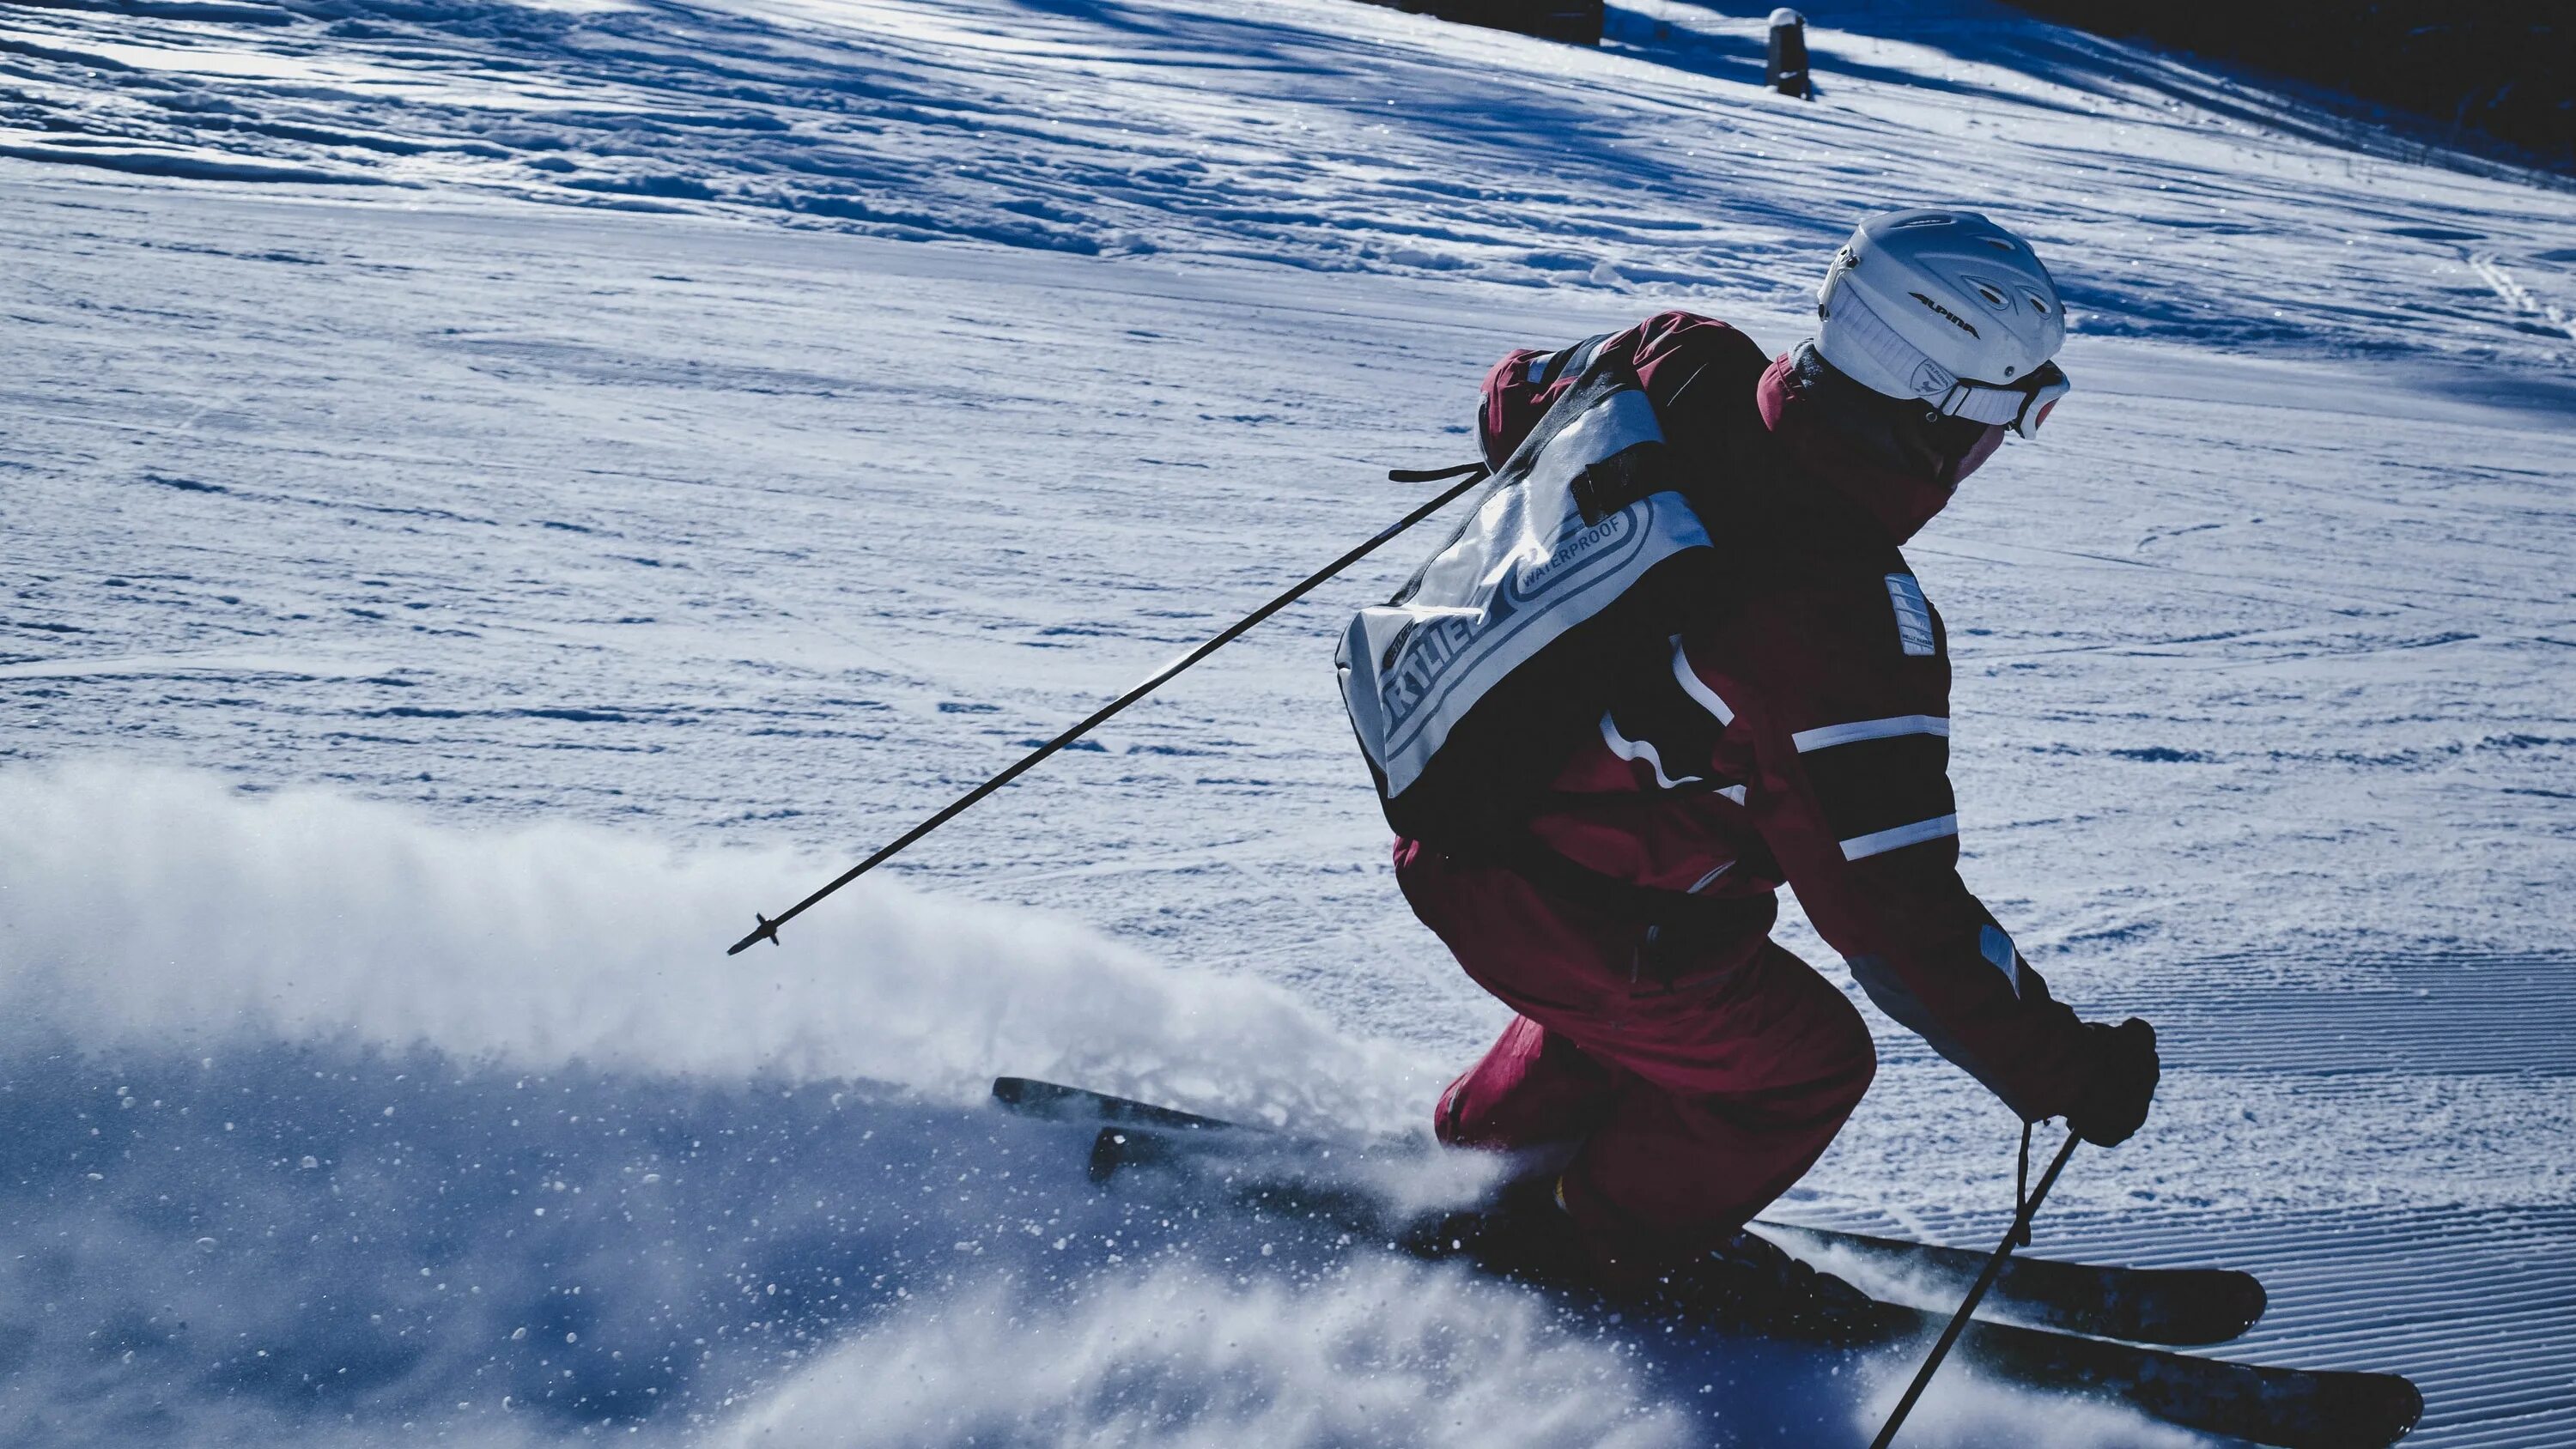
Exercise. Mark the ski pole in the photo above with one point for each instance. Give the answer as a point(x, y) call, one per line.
point(1468, 475)
point(2019, 1233)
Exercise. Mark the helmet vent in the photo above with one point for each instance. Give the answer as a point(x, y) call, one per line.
point(2038, 303)
point(1998, 243)
point(1993, 298)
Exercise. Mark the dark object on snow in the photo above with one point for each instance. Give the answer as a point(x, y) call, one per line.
point(1472, 475)
point(1577, 22)
point(1787, 71)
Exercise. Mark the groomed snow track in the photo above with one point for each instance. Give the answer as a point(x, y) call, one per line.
point(2473, 1303)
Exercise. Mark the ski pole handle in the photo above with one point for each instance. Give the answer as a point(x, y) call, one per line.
point(2018, 1233)
point(1469, 476)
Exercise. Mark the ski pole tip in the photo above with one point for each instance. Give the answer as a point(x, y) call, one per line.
point(767, 931)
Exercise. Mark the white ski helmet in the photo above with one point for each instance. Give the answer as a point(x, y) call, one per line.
point(1944, 305)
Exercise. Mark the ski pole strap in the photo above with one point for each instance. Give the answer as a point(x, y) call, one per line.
point(2019, 1232)
point(2021, 1187)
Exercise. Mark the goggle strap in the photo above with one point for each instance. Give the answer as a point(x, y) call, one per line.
point(2022, 409)
point(1864, 328)
point(1981, 404)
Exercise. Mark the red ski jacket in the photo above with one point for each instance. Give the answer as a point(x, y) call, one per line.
point(1802, 732)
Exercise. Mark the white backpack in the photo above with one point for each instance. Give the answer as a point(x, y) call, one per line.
point(1470, 685)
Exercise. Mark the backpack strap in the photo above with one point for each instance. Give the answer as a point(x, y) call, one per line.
point(1566, 362)
point(1434, 475)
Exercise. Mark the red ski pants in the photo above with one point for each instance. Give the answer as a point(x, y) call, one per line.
point(1702, 1074)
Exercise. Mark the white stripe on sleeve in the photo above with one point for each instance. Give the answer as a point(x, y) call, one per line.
point(1698, 689)
point(1861, 847)
point(1828, 736)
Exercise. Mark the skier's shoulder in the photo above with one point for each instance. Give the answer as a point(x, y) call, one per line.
point(1845, 624)
point(1700, 339)
point(1660, 338)
point(1673, 353)
point(1702, 375)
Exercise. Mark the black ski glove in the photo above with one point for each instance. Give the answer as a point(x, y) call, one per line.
point(2114, 1101)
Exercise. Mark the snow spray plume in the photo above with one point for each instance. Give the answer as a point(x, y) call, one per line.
point(1468, 476)
point(160, 911)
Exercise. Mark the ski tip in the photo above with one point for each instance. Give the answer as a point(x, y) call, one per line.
point(2362, 1411)
point(2404, 1406)
point(2186, 1308)
point(2245, 1299)
point(767, 930)
point(2208, 1308)
point(1029, 1095)
point(1032, 1098)
point(2196, 1308)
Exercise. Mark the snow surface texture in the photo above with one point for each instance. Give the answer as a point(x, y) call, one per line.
point(438, 615)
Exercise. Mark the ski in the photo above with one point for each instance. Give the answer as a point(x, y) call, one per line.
point(2173, 1306)
point(2181, 1307)
point(2292, 1408)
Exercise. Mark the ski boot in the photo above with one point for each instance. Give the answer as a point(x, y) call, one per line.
point(1522, 1234)
point(1748, 1282)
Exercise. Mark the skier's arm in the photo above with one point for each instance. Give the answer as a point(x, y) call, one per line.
point(1849, 735)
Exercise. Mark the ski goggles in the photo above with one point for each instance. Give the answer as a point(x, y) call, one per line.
point(2021, 407)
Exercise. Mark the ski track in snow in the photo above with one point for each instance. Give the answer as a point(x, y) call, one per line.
point(396, 573)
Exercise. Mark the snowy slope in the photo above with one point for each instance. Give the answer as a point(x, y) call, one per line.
point(493, 494)
point(1330, 139)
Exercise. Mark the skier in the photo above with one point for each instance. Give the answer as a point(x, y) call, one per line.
point(1796, 732)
